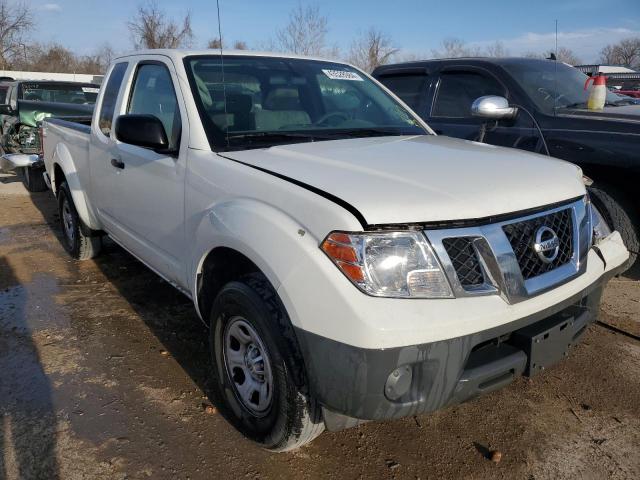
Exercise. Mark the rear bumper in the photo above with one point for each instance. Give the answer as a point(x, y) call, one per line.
point(12, 161)
point(358, 384)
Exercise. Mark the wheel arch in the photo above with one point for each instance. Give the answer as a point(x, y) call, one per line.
point(64, 169)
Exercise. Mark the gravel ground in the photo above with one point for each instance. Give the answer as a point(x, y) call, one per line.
point(103, 374)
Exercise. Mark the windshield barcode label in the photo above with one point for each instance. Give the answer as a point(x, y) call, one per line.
point(342, 75)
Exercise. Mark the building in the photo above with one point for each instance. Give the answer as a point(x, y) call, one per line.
point(621, 78)
point(63, 77)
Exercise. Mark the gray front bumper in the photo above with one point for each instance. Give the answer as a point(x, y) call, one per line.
point(350, 382)
point(12, 161)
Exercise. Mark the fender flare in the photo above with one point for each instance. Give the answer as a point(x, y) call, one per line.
point(269, 237)
point(62, 157)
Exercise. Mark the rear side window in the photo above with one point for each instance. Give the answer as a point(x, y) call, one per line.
point(153, 94)
point(110, 96)
point(458, 90)
point(408, 87)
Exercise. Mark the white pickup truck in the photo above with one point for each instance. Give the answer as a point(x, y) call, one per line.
point(351, 265)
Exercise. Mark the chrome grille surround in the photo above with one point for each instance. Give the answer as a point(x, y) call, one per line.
point(498, 261)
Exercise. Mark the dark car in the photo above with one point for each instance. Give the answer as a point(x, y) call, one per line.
point(26, 103)
point(545, 111)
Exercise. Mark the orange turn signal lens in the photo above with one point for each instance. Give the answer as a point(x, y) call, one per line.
point(338, 247)
point(354, 272)
point(336, 251)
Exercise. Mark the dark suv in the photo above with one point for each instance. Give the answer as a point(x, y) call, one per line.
point(545, 111)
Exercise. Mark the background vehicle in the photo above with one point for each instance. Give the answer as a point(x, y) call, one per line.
point(350, 264)
point(548, 94)
point(26, 104)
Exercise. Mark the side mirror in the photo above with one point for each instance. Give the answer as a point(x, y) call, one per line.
point(6, 109)
point(143, 131)
point(493, 107)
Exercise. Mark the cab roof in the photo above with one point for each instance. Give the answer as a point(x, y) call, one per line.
point(179, 54)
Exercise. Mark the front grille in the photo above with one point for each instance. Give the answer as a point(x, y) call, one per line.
point(522, 235)
point(465, 260)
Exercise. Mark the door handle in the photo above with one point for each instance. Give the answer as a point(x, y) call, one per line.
point(117, 163)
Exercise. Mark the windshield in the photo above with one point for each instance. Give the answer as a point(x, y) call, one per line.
point(60, 92)
point(273, 101)
point(555, 85)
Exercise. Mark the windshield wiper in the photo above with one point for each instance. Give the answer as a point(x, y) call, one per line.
point(274, 138)
point(372, 132)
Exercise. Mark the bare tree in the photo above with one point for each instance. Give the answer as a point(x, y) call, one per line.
point(455, 48)
point(150, 28)
point(306, 32)
point(216, 44)
point(240, 45)
point(497, 49)
point(564, 54)
point(15, 21)
point(49, 58)
point(609, 55)
point(625, 53)
point(370, 50)
point(97, 63)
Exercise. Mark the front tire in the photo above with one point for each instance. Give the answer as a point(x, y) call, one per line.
point(32, 179)
point(78, 240)
point(621, 215)
point(255, 386)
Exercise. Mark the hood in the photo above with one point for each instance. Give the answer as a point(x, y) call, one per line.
point(395, 180)
point(30, 112)
point(623, 113)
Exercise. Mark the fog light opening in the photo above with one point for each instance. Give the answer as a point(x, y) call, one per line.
point(398, 383)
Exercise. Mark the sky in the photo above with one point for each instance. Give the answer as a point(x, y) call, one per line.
point(415, 26)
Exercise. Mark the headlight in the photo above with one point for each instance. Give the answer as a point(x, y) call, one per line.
point(599, 225)
point(393, 264)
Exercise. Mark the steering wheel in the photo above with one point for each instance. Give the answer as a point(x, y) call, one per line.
point(323, 119)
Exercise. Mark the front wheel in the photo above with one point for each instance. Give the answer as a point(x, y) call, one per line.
point(78, 240)
point(620, 214)
point(251, 360)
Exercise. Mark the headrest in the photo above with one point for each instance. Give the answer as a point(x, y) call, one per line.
point(203, 91)
point(282, 99)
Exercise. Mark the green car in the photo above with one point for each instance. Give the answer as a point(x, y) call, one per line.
point(29, 102)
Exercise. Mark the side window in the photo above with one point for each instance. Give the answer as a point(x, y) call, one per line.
point(458, 90)
point(110, 96)
point(408, 87)
point(153, 94)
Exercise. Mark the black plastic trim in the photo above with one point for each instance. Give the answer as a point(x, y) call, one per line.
point(349, 381)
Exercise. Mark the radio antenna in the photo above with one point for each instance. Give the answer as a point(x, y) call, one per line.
point(555, 96)
point(224, 90)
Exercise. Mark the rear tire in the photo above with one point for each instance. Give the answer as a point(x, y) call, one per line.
point(246, 320)
point(32, 179)
point(621, 215)
point(79, 241)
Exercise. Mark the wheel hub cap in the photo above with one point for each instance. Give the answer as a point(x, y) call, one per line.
point(67, 221)
point(247, 362)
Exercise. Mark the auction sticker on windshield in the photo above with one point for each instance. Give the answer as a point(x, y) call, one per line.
point(342, 75)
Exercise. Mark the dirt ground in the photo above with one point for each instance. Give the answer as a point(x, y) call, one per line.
point(103, 374)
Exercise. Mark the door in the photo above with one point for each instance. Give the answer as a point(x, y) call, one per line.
point(150, 212)
point(450, 114)
point(105, 180)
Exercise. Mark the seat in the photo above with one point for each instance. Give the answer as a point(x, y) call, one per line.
point(281, 108)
